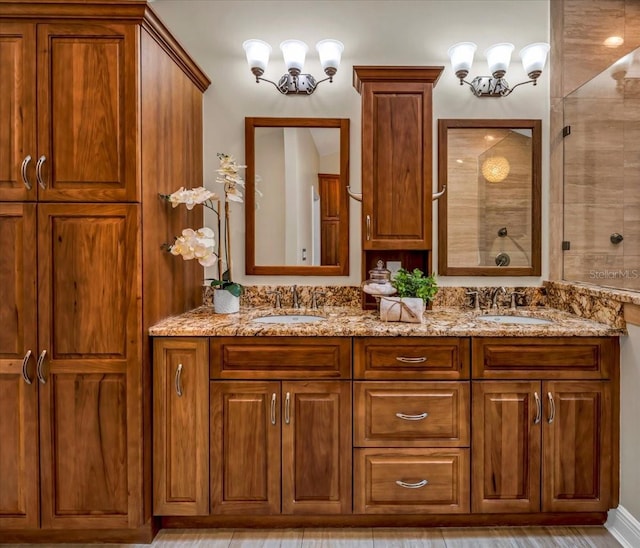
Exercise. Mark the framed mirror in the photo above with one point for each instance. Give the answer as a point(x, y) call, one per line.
point(297, 206)
point(489, 216)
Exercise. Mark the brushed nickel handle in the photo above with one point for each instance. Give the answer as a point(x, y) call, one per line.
point(415, 485)
point(39, 372)
point(273, 408)
point(538, 416)
point(23, 172)
point(39, 178)
point(552, 408)
point(419, 417)
point(178, 380)
point(25, 362)
point(437, 195)
point(368, 227)
point(355, 195)
point(407, 359)
point(287, 408)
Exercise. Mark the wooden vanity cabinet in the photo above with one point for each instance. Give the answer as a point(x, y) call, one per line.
point(181, 426)
point(411, 436)
point(281, 445)
point(548, 443)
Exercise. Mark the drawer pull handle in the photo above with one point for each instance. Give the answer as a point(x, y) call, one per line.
point(419, 417)
point(39, 364)
point(368, 227)
point(406, 359)
point(538, 417)
point(178, 380)
point(273, 408)
point(416, 485)
point(552, 410)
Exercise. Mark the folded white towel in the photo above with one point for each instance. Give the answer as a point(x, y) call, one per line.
point(401, 309)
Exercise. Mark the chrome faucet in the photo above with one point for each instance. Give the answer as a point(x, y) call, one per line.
point(295, 297)
point(494, 297)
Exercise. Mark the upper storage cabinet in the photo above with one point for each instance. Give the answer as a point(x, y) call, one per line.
point(396, 155)
point(69, 94)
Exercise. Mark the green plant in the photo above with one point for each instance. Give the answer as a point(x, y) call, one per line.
point(415, 284)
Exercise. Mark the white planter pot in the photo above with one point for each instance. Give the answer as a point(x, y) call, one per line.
point(401, 309)
point(224, 302)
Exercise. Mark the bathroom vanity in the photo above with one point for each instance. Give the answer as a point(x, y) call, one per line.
point(352, 421)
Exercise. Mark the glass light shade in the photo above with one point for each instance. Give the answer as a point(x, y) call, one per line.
point(294, 52)
point(534, 57)
point(461, 56)
point(257, 54)
point(498, 58)
point(330, 53)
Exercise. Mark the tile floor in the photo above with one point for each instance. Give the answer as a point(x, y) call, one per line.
point(488, 537)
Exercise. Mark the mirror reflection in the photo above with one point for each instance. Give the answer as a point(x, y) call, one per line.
point(298, 220)
point(490, 217)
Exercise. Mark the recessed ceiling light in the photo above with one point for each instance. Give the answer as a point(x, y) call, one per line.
point(614, 41)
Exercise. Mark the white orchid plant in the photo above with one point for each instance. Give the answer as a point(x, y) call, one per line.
point(201, 244)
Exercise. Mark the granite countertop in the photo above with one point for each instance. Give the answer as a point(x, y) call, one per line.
point(355, 322)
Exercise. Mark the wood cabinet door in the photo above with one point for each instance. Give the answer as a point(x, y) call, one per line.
point(90, 354)
point(17, 111)
point(87, 112)
point(396, 165)
point(245, 447)
point(181, 426)
point(577, 444)
point(505, 447)
point(316, 447)
point(19, 485)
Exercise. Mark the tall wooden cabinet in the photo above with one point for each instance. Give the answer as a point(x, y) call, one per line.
point(396, 164)
point(104, 111)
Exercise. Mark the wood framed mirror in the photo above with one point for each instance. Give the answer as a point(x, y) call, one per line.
point(297, 206)
point(489, 217)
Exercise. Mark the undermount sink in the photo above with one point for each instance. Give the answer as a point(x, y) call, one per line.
point(519, 320)
point(289, 318)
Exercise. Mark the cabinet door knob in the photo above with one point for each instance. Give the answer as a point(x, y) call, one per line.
point(415, 485)
point(39, 178)
point(178, 380)
point(552, 408)
point(25, 363)
point(538, 416)
point(39, 364)
point(405, 417)
point(23, 172)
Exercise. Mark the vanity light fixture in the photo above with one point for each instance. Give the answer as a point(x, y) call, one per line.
point(533, 56)
point(294, 52)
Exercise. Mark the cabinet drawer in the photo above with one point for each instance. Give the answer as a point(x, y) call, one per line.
point(416, 358)
point(280, 357)
point(408, 481)
point(545, 358)
point(417, 414)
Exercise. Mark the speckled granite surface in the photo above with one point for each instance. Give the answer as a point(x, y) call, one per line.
point(354, 322)
point(601, 304)
point(263, 295)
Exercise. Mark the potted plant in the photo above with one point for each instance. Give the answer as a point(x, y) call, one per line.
point(201, 244)
point(414, 290)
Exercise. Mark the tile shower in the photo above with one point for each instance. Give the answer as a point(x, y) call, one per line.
point(602, 178)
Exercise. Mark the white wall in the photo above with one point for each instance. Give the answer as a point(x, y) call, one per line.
point(629, 416)
point(384, 32)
